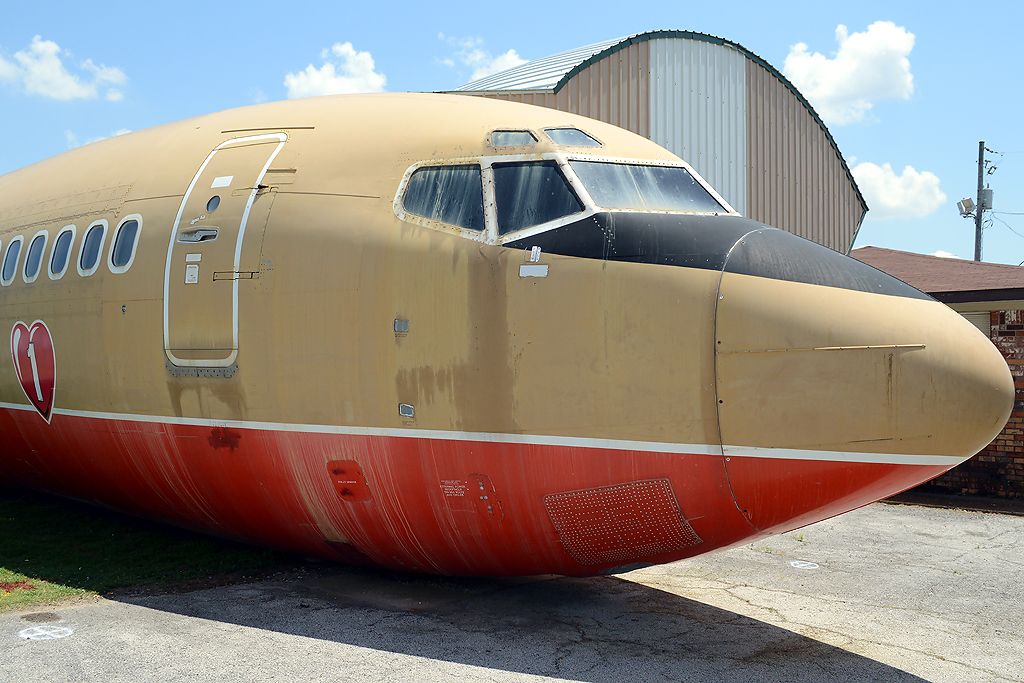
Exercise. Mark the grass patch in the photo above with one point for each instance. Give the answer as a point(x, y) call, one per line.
point(53, 550)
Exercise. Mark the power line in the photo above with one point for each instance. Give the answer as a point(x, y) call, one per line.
point(1010, 213)
point(1008, 227)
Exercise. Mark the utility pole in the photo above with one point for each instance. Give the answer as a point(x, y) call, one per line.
point(979, 207)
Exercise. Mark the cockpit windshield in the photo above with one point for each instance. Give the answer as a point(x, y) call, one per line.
point(531, 193)
point(644, 188)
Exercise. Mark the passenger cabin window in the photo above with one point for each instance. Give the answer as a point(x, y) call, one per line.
point(645, 188)
point(530, 193)
point(60, 256)
point(571, 137)
point(10, 267)
point(92, 245)
point(126, 240)
point(34, 257)
point(449, 194)
point(512, 138)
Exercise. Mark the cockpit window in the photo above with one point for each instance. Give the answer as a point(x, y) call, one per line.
point(530, 193)
point(512, 138)
point(645, 188)
point(450, 194)
point(573, 137)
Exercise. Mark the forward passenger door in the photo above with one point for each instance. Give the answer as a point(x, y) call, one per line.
point(203, 271)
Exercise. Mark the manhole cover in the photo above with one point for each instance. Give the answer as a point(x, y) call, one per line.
point(803, 564)
point(45, 632)
point(41, 617)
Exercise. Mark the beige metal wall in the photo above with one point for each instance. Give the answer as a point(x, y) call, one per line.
point(795, 178)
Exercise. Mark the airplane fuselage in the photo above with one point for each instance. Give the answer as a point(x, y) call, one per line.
point(288, 336)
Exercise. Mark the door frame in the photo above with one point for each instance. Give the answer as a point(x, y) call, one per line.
point(183, 362)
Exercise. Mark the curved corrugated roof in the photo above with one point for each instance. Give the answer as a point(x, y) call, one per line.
point(540, 74)
point(552, 73)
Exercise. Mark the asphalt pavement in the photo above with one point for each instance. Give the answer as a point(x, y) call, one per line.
point(885, 593)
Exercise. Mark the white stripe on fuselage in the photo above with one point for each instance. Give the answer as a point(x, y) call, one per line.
point(526, 439)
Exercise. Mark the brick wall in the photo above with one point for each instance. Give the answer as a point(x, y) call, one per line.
point(998, 470)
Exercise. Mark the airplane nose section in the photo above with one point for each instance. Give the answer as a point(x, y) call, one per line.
point(958, 389)
point(839, 385)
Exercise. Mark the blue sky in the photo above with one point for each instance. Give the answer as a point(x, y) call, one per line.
point(917, 91)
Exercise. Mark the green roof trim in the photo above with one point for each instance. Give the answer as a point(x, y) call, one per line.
point(717, 40)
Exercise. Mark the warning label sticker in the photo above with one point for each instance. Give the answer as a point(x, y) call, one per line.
point(453, 488)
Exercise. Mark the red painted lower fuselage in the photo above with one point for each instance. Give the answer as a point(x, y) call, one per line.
point(447, 505)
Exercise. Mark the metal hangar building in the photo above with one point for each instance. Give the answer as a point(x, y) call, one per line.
point(733, 116)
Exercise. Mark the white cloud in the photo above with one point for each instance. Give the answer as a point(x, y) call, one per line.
point(910, 194)
point(40, 70)
point(492, 65)
point(868, 66)
point(71, 138)
point(345, 70)
point(469, 52)
point(943, 254)
point(8, 71)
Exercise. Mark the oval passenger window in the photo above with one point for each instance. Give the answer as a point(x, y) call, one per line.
point(91, 248)
point(124, 244)
point(61, 252)
point(11, 262)
point(34, 258)
point(212, 205)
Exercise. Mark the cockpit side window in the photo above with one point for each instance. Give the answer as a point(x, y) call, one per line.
point(449, 194)
point(571, 137)
point(530, 193)
point(512, 138)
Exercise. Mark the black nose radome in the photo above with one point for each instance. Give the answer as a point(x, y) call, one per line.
point(730, 243)
point(779, 255)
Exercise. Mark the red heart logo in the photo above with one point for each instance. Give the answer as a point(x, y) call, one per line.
point(36, 364)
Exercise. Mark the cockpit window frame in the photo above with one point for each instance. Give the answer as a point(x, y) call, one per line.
point(468, 233)
point(562, 161)
point(412, 212)
point(490, 234)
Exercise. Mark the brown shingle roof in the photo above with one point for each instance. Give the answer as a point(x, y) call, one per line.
point(934, 274)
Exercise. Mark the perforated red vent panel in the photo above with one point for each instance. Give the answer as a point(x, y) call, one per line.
point(620, 524)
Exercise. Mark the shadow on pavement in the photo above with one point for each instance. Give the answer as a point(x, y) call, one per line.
point(81, 546)
point(597, 629)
